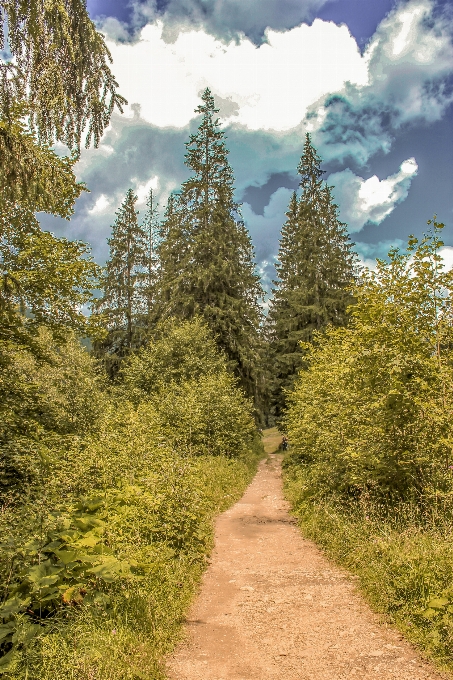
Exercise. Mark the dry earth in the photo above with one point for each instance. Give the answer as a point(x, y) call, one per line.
point(272, 607)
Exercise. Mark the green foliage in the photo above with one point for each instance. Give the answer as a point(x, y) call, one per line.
point(373, 411)
point(33, 176)
point(44, 279)
point(178, 352)
point(49, 396)
point(58, 69)
point(55, 85)
point(108, 503)
point(124, 299)
point(206, 256)
point(369, 421)
point(197, 404)
point(205, 416)
point(315, 270)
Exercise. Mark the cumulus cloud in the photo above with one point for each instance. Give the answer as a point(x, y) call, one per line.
point(301, 77)
point(371, 200)
point(267, 87)
point(409, 63)
point(228, 19)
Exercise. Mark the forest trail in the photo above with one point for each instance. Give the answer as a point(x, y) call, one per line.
point(271, 606)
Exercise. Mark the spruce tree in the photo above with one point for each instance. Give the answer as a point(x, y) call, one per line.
point(152, 231)
point(124, 294)
point(315, 268)
point(206, 254)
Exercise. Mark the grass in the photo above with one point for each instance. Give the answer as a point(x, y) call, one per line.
point(129, 639)
point(271, 440)
point(403, 558)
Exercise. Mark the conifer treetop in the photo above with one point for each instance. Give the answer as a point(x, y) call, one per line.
point(207, 156)
point(309, 169)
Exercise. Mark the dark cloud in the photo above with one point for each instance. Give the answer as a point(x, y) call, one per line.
point(226, 19)
point(258, 197)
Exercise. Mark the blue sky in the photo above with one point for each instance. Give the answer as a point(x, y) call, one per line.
point(372, 81)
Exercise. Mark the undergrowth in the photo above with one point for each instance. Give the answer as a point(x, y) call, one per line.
point(130, 620)
point(107, 502)
point(402, 555)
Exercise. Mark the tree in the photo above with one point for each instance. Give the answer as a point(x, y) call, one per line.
point(55, 84)
point(372, 414)
point(206, 254)
point(152, 231)
point(44, 279)
point(123, 302)
point(315, 270)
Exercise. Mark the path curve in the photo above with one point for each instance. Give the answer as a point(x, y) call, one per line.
point(272, 607)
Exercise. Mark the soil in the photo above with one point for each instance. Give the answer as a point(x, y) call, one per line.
point(271, 606)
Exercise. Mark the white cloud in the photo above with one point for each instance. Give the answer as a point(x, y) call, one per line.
point(355, 105)
point(272, 85)
point(142, 190)
point(101, 206)
point(447, 254)
point(371, 200)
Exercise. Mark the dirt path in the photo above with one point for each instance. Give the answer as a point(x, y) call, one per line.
point(272, 607)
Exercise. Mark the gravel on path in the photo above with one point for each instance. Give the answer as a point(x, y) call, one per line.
point(271, 606)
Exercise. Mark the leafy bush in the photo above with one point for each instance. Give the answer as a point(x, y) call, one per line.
point(178, 352)
point(372, 413)
point(110, 521)
point(369, 422)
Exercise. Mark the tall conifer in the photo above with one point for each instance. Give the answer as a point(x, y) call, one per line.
point(124, 300)
point(315, 268)
point(206, 254)
point(152, 235)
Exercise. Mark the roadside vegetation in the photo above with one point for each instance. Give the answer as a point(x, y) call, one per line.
point(370, 468)
point(108, 503)
point(114, 461)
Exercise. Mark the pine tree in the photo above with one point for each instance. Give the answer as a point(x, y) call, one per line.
point(124, 298)
point(315, 269)
point(206, 254)
point(152, 230)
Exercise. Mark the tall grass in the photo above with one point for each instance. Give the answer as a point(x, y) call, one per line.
point(402, 554)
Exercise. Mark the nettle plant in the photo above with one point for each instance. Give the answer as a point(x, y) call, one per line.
point(73, 564)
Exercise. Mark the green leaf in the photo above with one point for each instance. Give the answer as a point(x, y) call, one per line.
point(438, 603)
point(13, 606)
point(44, 574)
point(89, 540)
point(66, 556)
point(6, 629)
